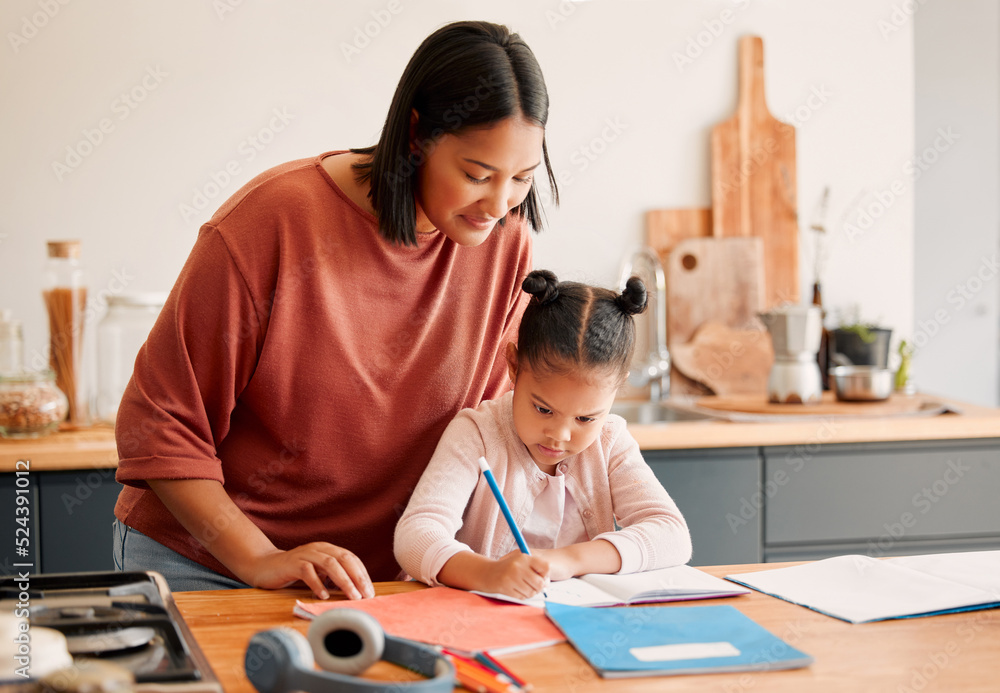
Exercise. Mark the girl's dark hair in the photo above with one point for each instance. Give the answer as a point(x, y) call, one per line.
point(465, 74)
point(568, 325)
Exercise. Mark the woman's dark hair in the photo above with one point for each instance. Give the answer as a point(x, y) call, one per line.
point(465, 74)
point(567, 325)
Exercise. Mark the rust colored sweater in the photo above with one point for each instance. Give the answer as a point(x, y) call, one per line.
point(311, 366)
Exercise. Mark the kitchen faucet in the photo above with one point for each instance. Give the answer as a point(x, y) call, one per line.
point(655, 370)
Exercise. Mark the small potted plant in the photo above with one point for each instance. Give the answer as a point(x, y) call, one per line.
point(861, 343)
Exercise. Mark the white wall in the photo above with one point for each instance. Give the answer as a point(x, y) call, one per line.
point(957, 292)
point(206, 81)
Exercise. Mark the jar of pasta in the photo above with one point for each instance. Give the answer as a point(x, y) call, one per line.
point(31, 405)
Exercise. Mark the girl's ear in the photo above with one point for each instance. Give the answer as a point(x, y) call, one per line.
point(511, 354)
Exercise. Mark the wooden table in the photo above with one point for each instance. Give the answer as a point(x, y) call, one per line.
point(954, 652)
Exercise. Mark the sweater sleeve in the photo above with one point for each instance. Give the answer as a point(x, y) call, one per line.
point(649, 519)
point(425, 534)
point(199, 355)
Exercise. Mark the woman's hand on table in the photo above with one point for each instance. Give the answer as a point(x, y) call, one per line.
point(315, 564)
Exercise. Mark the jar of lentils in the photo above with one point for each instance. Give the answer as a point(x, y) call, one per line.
point(31, 405)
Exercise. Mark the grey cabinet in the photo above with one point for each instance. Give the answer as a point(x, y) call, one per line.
point(72, 515)
point(815, 500)
point(717, 491)
point(882, 499)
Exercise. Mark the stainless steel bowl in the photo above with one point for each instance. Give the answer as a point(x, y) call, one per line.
point(861, 383)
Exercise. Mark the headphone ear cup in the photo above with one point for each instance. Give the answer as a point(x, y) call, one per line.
point(273, 656)
point(346, 641)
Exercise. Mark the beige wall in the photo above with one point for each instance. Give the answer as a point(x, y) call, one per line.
point(186, 101)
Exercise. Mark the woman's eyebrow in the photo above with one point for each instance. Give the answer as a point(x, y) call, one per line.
point(494, 168)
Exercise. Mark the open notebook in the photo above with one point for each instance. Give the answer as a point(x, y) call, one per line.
point(859, 589)
point(678, 583)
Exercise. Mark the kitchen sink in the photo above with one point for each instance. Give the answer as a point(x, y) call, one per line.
point(654, 412)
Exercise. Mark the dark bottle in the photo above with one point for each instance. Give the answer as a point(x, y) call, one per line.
point(823, 355)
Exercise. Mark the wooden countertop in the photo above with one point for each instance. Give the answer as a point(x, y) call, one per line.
point(972, 422)
point(94, 448)
point(953, 652)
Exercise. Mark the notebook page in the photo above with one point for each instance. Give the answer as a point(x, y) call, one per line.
point(679, 581)
point(980, 569)
point(860, 588)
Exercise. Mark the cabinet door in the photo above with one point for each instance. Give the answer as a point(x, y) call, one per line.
point(77, 512)
point(19, 530)
point(883, 495)
point(717, 491)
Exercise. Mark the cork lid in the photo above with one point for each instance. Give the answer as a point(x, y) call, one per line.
point(64, 248)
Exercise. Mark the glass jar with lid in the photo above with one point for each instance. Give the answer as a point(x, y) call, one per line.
point(31, 405)
point(65, 293)
point(120, 335)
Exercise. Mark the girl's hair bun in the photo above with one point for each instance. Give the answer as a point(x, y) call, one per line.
point(633, 299)
point(542, 285)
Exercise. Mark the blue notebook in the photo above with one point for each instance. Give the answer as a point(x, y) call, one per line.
point(621, 642)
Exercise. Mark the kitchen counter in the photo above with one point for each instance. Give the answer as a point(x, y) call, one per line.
point(973, 422)
point(94, 448)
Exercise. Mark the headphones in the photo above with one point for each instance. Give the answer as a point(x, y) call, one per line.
point(344, 642)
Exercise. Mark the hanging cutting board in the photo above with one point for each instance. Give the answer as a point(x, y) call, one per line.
point(665, 228)
point(754, 178)
point(717, 279)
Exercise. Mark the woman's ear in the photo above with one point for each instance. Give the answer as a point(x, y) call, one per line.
point(414, 118)
point(511, 354)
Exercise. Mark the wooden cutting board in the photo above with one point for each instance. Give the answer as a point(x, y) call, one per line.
point(665, 228)
point(717, 279)
point(829, 405)
point(729, 361)
point(754, 178)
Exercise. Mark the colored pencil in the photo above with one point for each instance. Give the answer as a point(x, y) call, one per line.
point(488, 660)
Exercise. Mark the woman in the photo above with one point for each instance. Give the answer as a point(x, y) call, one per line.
point(332, 318)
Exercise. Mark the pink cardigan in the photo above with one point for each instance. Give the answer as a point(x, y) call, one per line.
point(452, 503)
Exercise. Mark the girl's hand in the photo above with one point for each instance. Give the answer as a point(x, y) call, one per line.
point(315, 564)
point(517, 575)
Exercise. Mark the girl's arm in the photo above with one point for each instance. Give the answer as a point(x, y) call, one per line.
point(653, 531)
point(205, 510)
point(595, 556)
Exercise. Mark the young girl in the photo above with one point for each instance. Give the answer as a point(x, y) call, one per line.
point(568, 470)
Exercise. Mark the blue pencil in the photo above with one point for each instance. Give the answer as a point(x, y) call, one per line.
point(488, 473)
